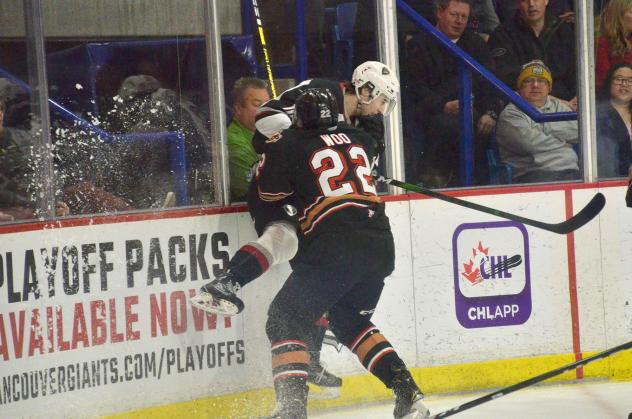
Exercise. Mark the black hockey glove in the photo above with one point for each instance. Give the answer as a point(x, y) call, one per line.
point(628, 195)
point(374, 126)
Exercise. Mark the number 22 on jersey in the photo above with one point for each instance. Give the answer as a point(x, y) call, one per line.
point(331, 166)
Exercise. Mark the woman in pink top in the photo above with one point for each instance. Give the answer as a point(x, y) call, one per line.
point(614, 45)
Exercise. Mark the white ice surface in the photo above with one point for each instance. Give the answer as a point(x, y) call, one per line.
point(585, 400)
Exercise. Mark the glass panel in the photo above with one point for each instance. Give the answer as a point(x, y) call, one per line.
point(337, 37)
point(23, 196)
point(129, 117)
point(613, 80)
point(507, 146)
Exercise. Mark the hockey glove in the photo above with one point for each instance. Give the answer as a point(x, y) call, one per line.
point(374, 126)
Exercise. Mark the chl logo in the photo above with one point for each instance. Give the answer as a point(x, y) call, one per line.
point(480, 263)
point(486, 292)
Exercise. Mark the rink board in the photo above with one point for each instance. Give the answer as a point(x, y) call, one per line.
point(94, 317)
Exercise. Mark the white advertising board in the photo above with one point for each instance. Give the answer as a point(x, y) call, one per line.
point(94, 316)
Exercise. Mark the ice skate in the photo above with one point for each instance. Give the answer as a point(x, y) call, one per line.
point(409, 399)
point(291, 401)
point(219, 296)
point(328, 384)
point(288, 412)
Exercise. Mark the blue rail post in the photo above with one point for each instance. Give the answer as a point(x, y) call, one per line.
point(466, 166)
point(301, 41)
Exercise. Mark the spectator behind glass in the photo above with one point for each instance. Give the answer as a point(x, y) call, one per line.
point(484, 19)
point(535, 34)
point(614, 45)
point(537, 152)
point(432, 77)
point(614, 123)
point(564, 9)
point(248, 94)
point(16, 169)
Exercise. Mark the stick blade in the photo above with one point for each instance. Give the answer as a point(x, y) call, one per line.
point(587, 213)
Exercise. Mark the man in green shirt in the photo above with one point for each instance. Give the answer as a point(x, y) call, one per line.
point(248, 94)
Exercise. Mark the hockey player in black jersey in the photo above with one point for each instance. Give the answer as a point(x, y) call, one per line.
point(345, 253)
point(371, 93)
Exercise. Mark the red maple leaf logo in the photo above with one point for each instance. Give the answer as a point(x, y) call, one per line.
point(474, 275)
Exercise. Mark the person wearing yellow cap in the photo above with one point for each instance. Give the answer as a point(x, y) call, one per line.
point(537, 152)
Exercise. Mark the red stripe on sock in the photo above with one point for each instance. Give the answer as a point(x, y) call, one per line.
point(360, 336)
point(280, 343)
point(379, 356)
point(261, 258)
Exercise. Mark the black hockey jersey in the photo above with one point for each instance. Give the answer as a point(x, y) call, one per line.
point(276, 114)
point(329, 172)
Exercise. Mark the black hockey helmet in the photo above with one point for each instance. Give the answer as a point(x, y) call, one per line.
point(316, 108)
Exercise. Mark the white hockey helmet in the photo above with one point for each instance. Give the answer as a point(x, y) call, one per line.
point(379, 79)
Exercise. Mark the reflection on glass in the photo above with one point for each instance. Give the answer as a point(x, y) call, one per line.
point(18, 123)
point(16, 159)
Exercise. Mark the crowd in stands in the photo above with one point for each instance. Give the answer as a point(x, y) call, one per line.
point(522, 31)
point(528, 44)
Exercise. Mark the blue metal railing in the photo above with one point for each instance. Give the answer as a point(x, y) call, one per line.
point(175, 140)
point(466, 65)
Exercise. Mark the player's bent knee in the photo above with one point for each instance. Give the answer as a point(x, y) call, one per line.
point(280, 240)
point(347, 332)
point(286, 324)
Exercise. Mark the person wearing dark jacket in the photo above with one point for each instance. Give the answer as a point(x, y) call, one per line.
point(433, 82)
point(536, 34)
point(614, 123)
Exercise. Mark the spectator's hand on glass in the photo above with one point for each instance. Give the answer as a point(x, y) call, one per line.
point(485, 125)
point(568, 17)
point(6, 217)
point(62, 209)
point(451, 107)
point(573, 103)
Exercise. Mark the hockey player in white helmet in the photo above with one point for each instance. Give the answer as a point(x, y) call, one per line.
point(371, 93)
point(376, 88)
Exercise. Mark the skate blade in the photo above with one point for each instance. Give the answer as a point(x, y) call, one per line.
point(418, 411)
point(323, 393)
point(208, 304)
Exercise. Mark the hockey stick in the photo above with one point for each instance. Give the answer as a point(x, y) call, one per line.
point(531, 381)
point(504, 265)
point(587, 213)
point(264, 46)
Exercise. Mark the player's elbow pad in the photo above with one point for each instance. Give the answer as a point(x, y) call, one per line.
point(280, 240)
point(271, 124)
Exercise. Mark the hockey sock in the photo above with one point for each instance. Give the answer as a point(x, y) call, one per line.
point(314, 340)
point(289, 372)
point(250, 262)
point(277, 244)
point(375, 353)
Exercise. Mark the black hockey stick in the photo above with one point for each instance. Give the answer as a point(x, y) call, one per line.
point(531, 381)
point(504, 265)
point(578, 220)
